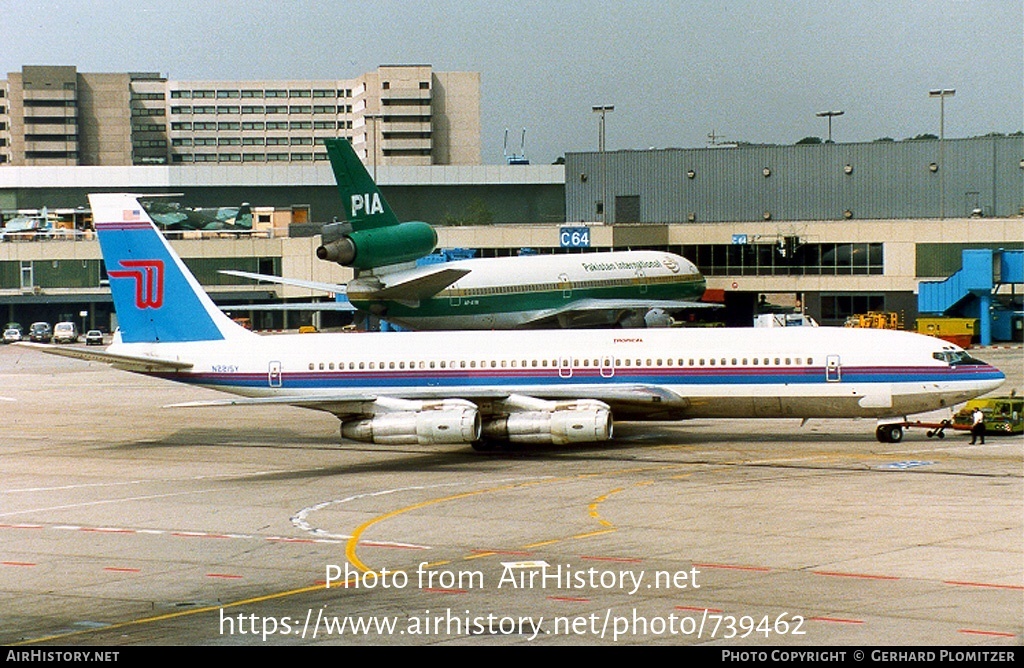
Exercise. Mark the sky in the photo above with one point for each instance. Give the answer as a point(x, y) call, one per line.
point(675, 70)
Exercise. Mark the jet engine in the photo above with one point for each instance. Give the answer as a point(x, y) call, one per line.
point(583, 421)
point(376, 247)
point(449, 421)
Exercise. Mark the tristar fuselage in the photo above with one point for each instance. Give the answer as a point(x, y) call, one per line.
point(590, 289)
point(560, 386)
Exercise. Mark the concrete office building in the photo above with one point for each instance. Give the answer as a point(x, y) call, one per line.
point(396, 115)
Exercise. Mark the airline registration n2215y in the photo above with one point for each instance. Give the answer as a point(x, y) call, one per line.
point(556, 386)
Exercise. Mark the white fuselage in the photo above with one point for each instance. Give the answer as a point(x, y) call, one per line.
point(653, 374)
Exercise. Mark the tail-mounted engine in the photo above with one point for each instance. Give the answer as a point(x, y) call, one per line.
point(376, 247)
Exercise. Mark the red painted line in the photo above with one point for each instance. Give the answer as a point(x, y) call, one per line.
point(114, 569)
point(864, 576)
point(435, 590)
point(624, 560)
point(103, 530)
point(393, 547)
point(16, 563)
point(513, 553)
point(960, 583)
point(728, 567)
point(226, 576)
point(836, 620)
point(693, 608)
point(988, 633)
point(568, 599)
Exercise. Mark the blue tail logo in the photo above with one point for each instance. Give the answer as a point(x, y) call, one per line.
point(149, 281)
point(156, 297)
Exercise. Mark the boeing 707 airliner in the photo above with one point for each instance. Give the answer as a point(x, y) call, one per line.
point(467, 387)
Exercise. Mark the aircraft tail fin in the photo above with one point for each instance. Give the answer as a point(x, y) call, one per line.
point(156, 297)
point(364, 204)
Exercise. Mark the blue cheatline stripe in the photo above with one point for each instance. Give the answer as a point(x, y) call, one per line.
point(352, 380)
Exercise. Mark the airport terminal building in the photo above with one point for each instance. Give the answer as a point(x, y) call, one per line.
point(830, 229)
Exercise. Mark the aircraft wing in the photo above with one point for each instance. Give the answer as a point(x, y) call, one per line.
point(643, 397)
point(588, 309)
point(139, 363)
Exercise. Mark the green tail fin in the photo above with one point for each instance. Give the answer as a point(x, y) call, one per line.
point(364, 204)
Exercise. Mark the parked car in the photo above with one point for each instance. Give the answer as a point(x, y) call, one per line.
point(65, 332)
point(15, 325)
point(94, 337)
point(40, 332)
point(11, 335)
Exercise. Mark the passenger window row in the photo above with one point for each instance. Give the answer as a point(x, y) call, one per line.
point(575, 363)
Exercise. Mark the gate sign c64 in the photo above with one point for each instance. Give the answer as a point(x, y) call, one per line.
point(574, 237)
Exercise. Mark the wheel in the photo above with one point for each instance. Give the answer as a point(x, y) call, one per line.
point(889, 433)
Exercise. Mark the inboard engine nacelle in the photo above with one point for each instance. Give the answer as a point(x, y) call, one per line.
point(584, 421)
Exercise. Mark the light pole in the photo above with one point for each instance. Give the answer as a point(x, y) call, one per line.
point(829, 115)
point(601, 109)
point(942, 94)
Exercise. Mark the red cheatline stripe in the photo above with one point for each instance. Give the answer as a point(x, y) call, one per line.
point(624, 560)
point(864, 576)
point(730, 567)
point(835, 620)
point(16, 563)
point(960, 583)
point(988, 633)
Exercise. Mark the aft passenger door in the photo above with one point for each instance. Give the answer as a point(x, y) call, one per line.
point(274, 374)
point(833, 370)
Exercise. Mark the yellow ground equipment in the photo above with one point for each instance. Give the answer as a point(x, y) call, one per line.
point(875, 320)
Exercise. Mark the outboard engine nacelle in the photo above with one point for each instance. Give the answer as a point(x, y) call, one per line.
point(451, 421)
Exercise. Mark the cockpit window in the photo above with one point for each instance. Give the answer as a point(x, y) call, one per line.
point(955, 357)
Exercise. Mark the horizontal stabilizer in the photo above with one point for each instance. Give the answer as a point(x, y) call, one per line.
point(140, 363)
point(294, 282)
point(343, 306)
point(416, 289)
point(420, 286)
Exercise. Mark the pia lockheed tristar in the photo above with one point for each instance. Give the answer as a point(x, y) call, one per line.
point(626, 288)
point(557, 386)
